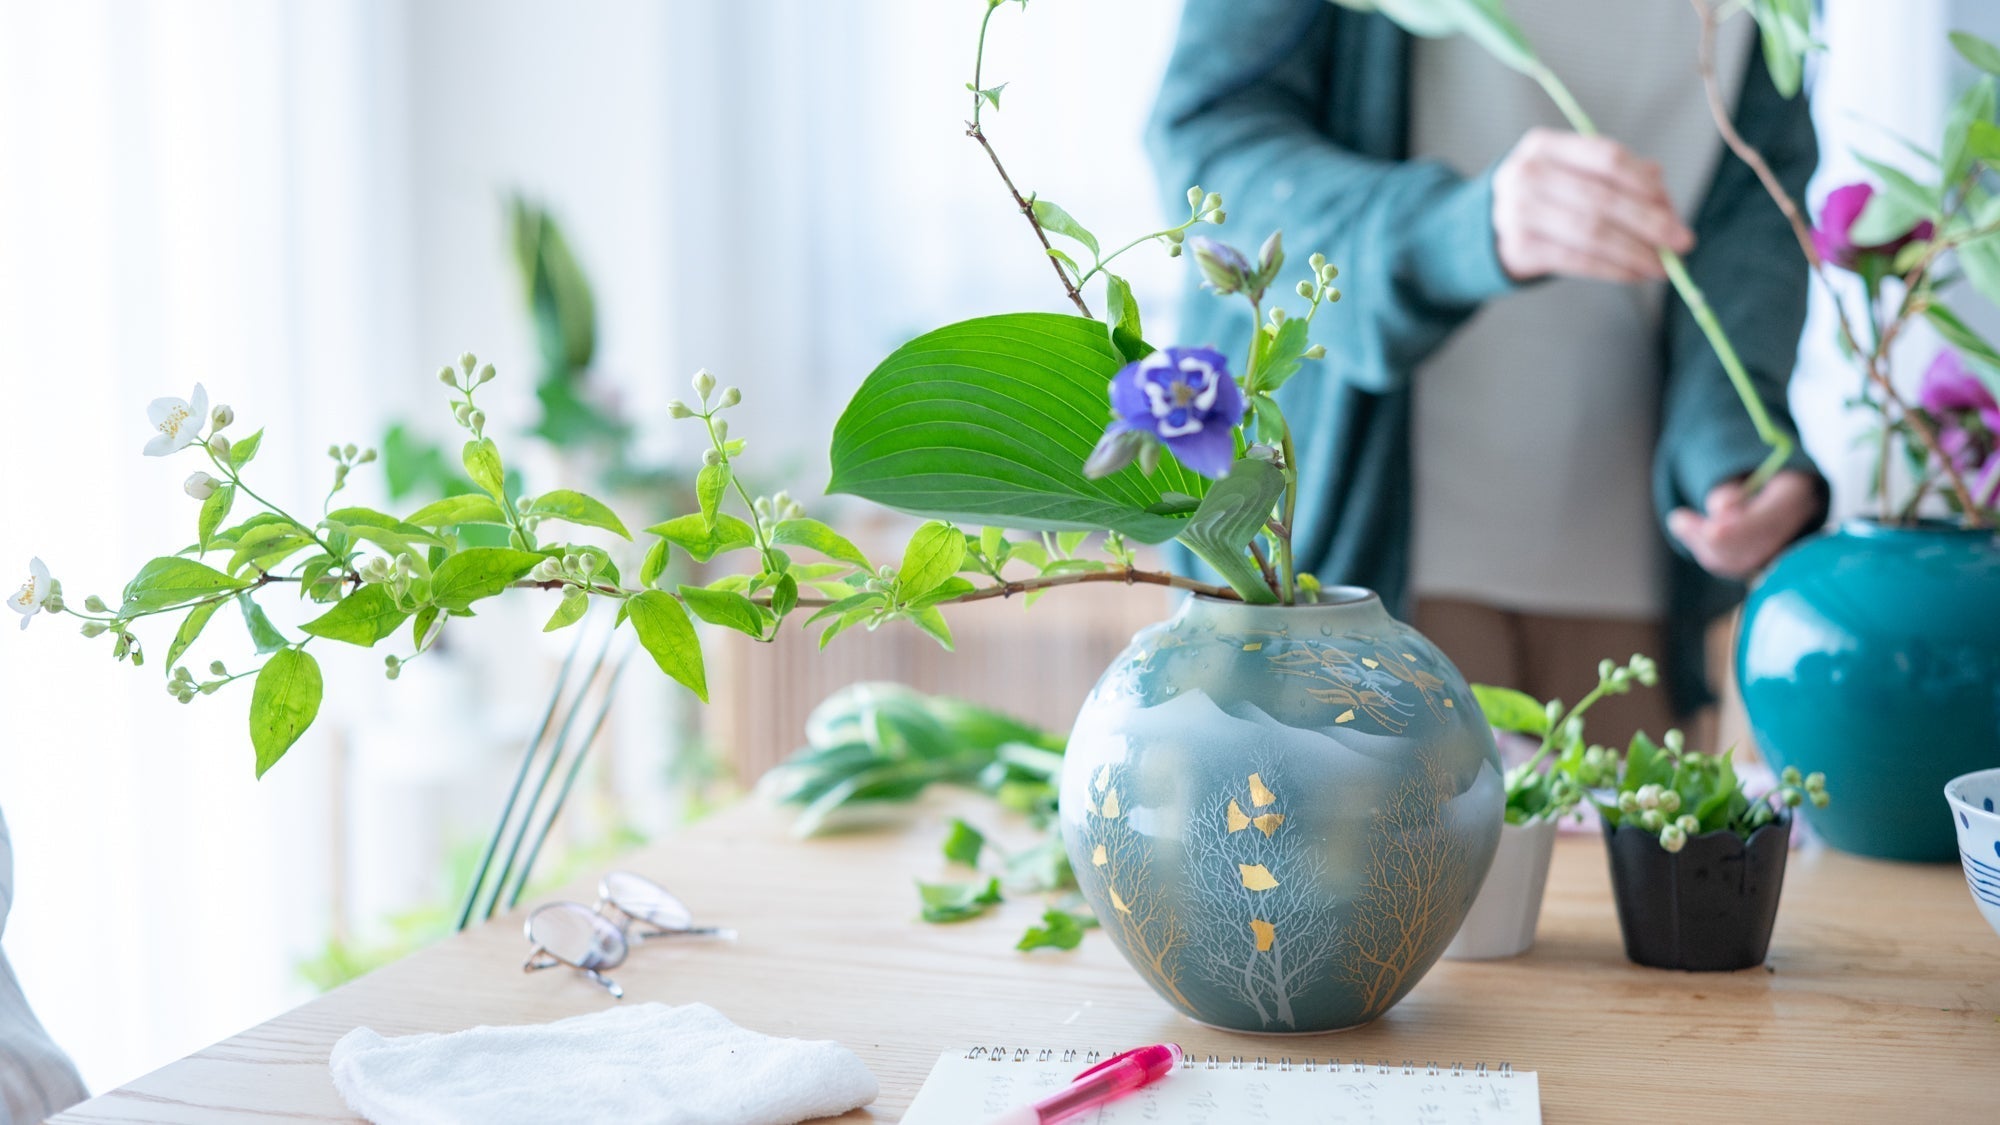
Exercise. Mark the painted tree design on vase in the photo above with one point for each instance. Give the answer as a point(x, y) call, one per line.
point(1359, 677)
point(1416, 892)
point(1267, 927)
point(1149, 929)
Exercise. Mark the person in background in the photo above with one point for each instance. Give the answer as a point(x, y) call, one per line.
point(1517, 417)
point(36, 1078)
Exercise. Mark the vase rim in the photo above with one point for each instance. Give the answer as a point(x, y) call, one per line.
point(1330, 597)
point(1872, 527)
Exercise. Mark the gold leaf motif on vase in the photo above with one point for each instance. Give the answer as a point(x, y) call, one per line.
point(1110, 804)
point(1256, 876)
point(1098, 858)
point(1268, 823)
point(1265, 934)
point(1260, 794)
point(1238, 821)
point(1116, 902)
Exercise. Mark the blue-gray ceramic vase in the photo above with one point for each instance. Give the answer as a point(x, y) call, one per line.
point(1281, 815)
point(1872, 655)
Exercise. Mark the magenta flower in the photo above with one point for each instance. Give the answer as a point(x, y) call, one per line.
point(1833, 238)
point(1955, 395)
point(1951, 386)
point(1187, 399)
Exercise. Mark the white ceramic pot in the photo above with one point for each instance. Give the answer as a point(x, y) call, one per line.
point(1503, 917)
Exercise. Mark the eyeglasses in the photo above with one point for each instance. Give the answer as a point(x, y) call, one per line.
point(590, 940)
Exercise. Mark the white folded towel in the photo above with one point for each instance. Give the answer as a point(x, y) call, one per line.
point(628, 1065)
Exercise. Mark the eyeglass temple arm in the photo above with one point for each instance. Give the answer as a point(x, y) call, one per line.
point(610, 985)
point(723, 932)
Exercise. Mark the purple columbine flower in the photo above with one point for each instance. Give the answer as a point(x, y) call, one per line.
point(1834, 236)
point(1187, 399)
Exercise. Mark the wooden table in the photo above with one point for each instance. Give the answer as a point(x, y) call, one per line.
point(1881, 997)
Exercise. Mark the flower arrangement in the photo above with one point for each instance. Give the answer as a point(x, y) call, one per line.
point(1192, 451)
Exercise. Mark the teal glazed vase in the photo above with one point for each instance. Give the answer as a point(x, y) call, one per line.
point(1872, 655)
point(1281, 814)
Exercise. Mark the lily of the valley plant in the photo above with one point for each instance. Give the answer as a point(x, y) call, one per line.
point(1677, 794)
point(1015, 437)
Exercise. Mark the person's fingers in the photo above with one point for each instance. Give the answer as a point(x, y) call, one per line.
point(1570, 261)
point(1601, 212)
point(1607, 160)
point(1692, 530)
point(1591, 246)
point(1686, 525)
point(1725, 498)
point(1742, 533)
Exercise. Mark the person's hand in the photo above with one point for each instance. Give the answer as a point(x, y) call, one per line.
point(1582, 206)
point(1737, 535)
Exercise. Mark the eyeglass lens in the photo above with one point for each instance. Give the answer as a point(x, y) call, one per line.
point(645, 900)
point(577, 935)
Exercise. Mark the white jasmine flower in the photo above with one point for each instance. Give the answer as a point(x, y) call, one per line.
point(178, 420)
point(34, 594)
point(201, 486)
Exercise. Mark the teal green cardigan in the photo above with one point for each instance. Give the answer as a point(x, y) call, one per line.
point(1297, 111)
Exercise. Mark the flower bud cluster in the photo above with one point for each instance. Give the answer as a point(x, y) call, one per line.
point(183, 686)
point(1798, 789)
point(345, 458)
point(776, 509)
point(575, 566)
point(467, 377)
point(1206, 206)
point(1619, 680)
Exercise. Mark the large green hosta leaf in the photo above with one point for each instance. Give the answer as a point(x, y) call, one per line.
point(989, 421)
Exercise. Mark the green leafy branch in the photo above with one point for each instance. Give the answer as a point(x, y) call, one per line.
point(375, 573)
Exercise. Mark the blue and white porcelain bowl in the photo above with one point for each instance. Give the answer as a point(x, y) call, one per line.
point(1975, 812)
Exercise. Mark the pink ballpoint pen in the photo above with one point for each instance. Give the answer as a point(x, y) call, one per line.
point(1113, 1078)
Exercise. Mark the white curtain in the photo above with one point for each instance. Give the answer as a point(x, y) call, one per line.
point(188, 190)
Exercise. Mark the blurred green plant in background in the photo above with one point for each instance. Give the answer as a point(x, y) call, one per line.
point(580, 417)
point(876, 747)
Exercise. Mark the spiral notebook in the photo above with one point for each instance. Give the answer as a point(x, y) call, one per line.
point(970, 1086)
